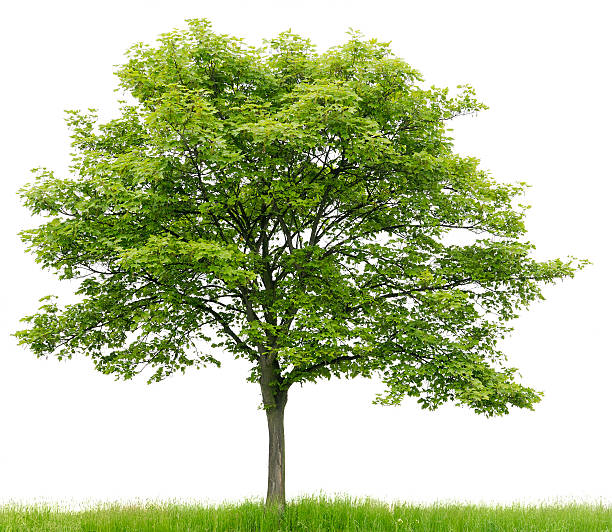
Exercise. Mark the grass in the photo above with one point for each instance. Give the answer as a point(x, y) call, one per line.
point(308, 514)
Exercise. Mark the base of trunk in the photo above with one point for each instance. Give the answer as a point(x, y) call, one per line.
point(276, 453)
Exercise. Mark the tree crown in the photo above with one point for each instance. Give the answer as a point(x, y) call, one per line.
point(300, 209)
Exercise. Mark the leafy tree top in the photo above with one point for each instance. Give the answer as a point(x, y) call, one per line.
point(304, 211)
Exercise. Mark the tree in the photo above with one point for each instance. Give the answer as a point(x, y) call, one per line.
point(305, 212)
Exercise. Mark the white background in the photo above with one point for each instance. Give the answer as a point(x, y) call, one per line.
point(69, 433)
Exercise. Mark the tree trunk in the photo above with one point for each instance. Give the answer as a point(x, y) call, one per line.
point(276, 453)
point(274, 401)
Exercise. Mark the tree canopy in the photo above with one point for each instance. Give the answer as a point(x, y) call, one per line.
point(303, 211)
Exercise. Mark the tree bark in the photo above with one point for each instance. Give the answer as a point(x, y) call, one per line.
point(274, 401)
point(276, 454)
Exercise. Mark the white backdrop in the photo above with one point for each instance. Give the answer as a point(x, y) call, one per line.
point(544, 70)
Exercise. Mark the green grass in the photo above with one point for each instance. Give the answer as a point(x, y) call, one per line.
point(308, 514)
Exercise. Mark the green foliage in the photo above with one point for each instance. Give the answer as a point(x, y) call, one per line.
point(306, 207)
